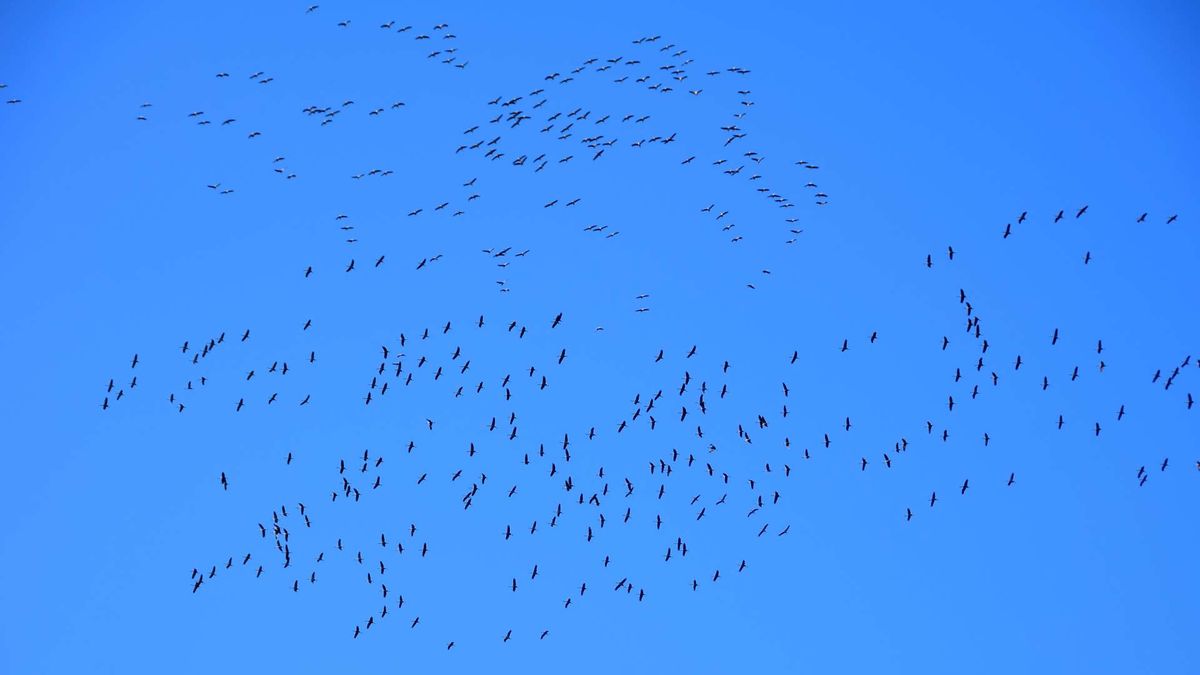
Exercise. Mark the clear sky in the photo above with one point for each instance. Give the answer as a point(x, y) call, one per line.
point(934, 126)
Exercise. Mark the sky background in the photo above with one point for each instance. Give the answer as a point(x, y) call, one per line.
point(934, 125)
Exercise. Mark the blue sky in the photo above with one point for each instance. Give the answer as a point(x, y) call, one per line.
point(933, 127)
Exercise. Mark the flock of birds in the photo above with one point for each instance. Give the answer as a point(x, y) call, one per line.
point(671, 479)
